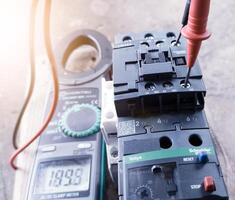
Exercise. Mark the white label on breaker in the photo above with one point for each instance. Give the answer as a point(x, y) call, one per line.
point(195, 187)
point(188, 159)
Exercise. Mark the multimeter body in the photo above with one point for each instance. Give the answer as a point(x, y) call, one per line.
point(70, 159)
point(58, 154)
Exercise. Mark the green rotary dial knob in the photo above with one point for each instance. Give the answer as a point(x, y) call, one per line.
point(81, 120)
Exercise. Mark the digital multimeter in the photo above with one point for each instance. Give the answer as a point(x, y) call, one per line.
point(70, 160)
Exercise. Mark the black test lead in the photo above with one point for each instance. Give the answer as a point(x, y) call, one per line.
point(184, 20)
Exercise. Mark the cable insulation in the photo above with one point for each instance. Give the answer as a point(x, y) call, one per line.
point(32, 73)
point(48, 45)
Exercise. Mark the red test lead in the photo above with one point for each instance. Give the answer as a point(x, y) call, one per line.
point(195, 31)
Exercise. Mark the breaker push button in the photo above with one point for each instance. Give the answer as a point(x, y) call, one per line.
point(203, 157)
point(209, 184)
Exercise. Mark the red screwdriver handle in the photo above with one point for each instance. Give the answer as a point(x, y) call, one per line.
point(196, 29)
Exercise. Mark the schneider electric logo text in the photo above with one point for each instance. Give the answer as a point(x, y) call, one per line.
point(196, 151)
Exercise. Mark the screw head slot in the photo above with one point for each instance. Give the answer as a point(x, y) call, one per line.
point(150, 86)
point(114, 152)
point(182, 84)
point(149, 36)
point(173, 43)
point(156, 169)
point(145, 44)
point(170, 34)
point(159, 43)
point(167, 84)
point(127, 39)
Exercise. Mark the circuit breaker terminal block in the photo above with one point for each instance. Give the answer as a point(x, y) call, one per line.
point(165, 148)
point(149, 72)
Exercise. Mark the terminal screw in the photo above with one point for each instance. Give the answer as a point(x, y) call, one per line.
point(156, 169)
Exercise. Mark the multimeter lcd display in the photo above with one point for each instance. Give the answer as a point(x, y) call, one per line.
point(62, 176)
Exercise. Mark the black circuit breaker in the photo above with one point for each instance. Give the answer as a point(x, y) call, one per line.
point(164, 142)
